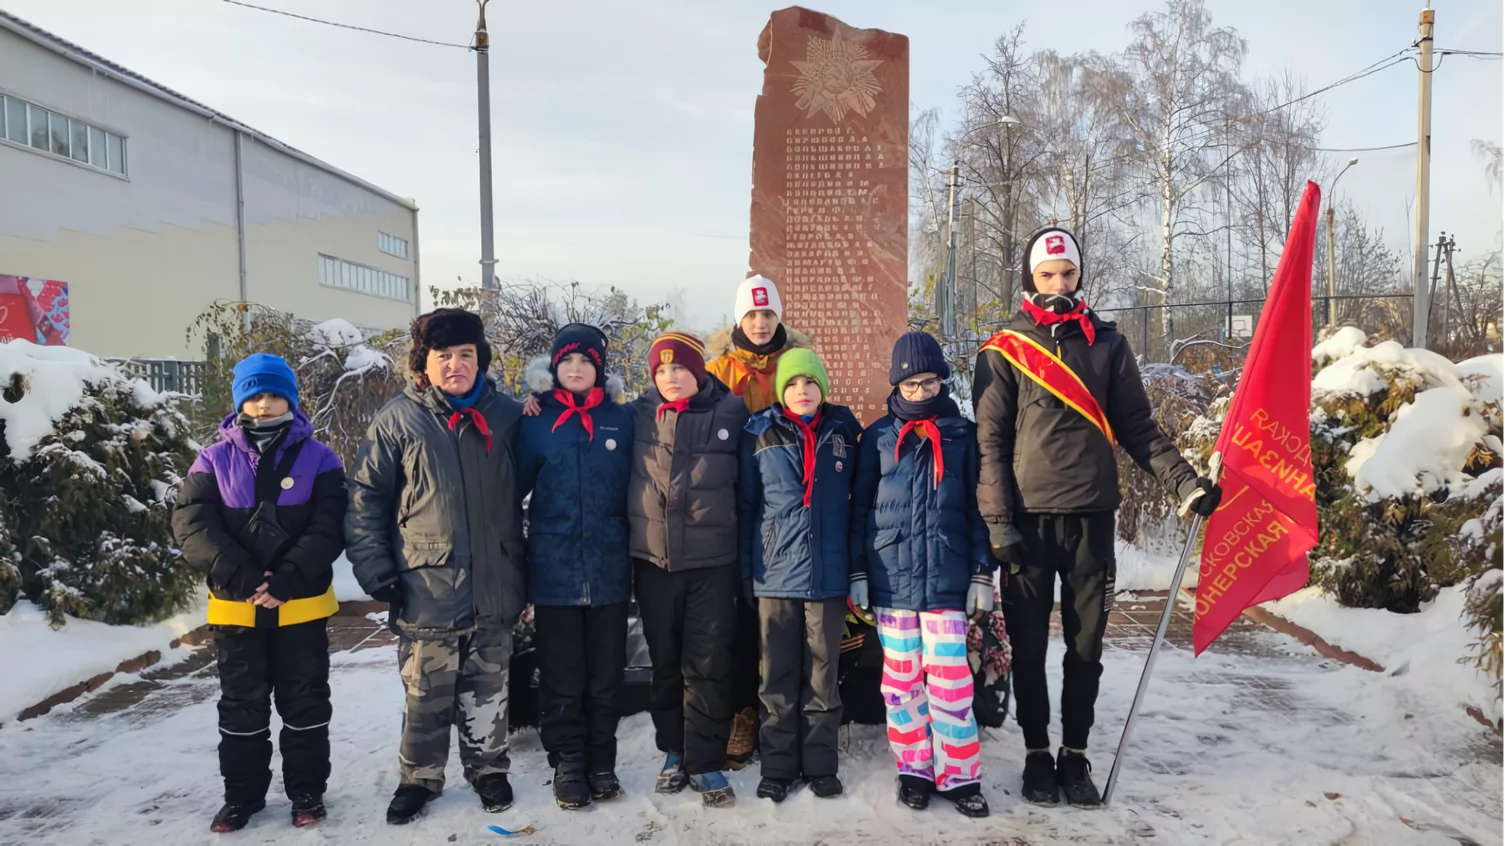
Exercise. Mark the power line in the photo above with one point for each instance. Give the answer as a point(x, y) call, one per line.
point(349, 26)
point(1363, 149)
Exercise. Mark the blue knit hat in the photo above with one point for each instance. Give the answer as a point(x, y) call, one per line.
point(917, 352)
point(263, 373)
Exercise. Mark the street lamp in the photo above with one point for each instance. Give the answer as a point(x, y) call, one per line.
point(947, 299)
point(1332, 277)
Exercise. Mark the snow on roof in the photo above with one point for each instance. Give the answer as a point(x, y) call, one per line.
point(54, 378)
point(70, 50)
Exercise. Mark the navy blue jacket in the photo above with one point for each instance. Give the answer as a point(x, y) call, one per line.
point(577, 520)
point(787, 550)
point(918, 544)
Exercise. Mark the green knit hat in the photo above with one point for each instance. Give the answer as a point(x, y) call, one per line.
point(800, 361)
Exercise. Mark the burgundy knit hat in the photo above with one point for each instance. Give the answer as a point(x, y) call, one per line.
point(678, 348)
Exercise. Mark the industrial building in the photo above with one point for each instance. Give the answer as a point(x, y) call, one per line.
point(129, 208)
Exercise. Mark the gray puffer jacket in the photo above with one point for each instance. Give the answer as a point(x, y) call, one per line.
point(682, 498)
point(435, 510)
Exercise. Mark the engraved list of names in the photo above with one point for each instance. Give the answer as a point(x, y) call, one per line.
point(829, 212)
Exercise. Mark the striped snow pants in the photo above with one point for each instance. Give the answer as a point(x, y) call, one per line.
point(927, 687)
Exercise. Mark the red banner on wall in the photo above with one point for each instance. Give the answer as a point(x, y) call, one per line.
point(34, 310)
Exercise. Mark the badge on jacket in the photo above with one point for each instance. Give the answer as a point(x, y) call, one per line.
point(287, 484)
point(839, 449)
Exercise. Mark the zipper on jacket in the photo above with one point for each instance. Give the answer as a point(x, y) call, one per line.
point(580, 456)
point(475, 604)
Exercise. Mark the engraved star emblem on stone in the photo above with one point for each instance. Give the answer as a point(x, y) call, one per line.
point(836, 77)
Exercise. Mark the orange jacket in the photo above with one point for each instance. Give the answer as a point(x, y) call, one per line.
point(750, 377)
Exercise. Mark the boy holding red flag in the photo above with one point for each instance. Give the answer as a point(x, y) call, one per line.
point(1055, 390)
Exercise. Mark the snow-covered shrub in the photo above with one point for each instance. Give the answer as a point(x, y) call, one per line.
point(1180, 399)
point(90, 460)
point(344, 377)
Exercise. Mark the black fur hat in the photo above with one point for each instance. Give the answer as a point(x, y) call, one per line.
point(447, 327)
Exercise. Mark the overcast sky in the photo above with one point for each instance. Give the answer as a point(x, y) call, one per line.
point(623, 130)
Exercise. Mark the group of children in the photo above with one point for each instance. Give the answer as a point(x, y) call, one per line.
point(734, 500)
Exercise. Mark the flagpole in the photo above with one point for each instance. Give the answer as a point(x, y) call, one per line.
point(1165, 621)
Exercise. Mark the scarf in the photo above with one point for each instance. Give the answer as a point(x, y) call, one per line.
point(475, 417)
point(592, 399)
point(261, 434)
point(776, 343)
point(469, 399)
point(921, 415)
point(677, 406)
point(1047, 317)
point(807, 428)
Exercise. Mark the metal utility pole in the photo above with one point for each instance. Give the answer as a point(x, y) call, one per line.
point(1420, 305)
point(483, 113)
point(1332, 263)
point(1450, 294)
point(1442, 242)
point(947, 299)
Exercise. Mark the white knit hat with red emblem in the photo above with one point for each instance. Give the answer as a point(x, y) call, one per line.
point(1054, 244)
point(757, 293)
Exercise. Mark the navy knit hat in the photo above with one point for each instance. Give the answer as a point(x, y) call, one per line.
point(263, 373)
point(581, 338)
point(917, 352)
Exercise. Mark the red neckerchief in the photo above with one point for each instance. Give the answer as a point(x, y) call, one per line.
point(1046, 317)
point(592, 399)
point(933, 435)
point(477, 419)
point(809, 448)
point(678, 406)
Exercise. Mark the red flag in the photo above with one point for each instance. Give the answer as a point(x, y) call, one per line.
point(1256, 544)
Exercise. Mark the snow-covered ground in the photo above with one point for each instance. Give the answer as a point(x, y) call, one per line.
point(37, 661)
point(1277, 747)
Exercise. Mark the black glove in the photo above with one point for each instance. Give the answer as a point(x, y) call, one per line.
point(747, 595)
point(1201, 497)
point(388, 594)
point(1007, 546)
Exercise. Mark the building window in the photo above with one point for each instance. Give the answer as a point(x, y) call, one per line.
point(393, 245)
point(338, 273)
point(59, 135)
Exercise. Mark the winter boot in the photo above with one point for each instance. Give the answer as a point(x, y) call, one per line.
point(234, 816)
point(744, 739)
point(1040, 785)
point(604, 786)
point(407, 803)
point(671, 779)
point(571, 790)
point(495, 792)
point(914, 792)
point(776, 789)
point(825, 787)
point(714, 790)
point(1074, 774)
point(307, 810)
point(968, 801)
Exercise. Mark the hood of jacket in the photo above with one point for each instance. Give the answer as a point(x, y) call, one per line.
point(539, 379)
point(720, 344)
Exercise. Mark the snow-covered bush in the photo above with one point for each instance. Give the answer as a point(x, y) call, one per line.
point(344, 377)
point(90, 460)
point(1181, 400)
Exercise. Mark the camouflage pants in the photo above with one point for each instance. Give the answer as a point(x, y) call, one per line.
point(458, 680)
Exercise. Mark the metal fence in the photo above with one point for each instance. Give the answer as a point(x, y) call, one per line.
point(167, 375)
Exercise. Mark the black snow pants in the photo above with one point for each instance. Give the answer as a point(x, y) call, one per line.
point(582, 652)
point(801, 655)
point(688, 621)
point(291, 665)
point(1079, 549)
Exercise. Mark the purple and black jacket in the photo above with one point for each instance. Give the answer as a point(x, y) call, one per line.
point(213, 522)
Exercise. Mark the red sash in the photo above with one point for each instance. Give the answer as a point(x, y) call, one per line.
point(1052, 374)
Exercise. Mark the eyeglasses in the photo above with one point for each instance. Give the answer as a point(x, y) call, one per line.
point(911, 387)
